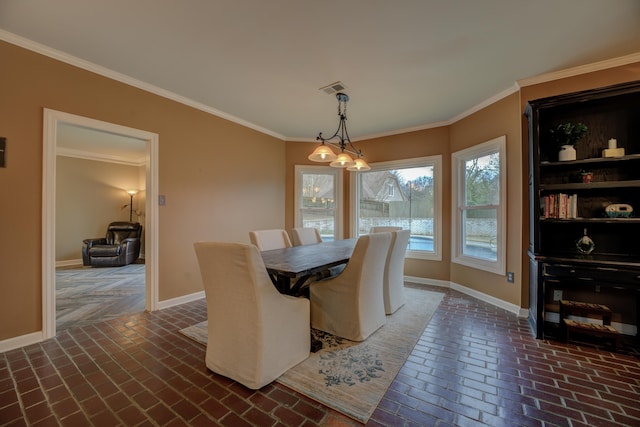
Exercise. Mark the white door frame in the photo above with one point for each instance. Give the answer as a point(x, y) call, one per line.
point(52, 119)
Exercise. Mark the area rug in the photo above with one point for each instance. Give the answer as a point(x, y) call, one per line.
point(352, 377)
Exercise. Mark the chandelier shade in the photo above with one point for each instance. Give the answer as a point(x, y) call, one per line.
point(359, 165)
point(342, 161)
point(324, 153)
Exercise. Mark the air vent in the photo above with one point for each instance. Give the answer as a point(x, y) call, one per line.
point(334, 88)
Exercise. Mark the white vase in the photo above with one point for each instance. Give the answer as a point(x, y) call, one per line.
point(567, 152)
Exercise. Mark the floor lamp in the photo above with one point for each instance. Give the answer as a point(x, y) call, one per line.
point(131, 194)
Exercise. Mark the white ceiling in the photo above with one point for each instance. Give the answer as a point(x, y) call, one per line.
point(406, 63)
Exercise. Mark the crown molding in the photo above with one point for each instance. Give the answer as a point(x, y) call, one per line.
point(582, 69)
point(99, 157)
point(513, 89)
point(89, 66)
point(122, 78)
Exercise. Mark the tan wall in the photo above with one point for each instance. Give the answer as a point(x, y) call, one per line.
point(505, 117)
point(500, 118)
point(208, 198)
point(397, 147)
point(89, 195)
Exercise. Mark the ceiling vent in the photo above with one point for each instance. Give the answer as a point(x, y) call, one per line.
point(334, 88)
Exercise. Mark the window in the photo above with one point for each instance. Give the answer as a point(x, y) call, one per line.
point(479, 206)
point(403, 193)
point(317, 198)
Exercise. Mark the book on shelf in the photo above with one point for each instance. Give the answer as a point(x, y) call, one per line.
point(560, 205)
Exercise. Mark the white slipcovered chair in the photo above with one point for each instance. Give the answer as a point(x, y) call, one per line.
point(384, 229)
point(351, 305)
point(270, 239)
point(305, 236)
point(393, 285)
point(255, 334)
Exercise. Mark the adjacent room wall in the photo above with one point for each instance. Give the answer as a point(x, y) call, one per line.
point(207, 196)
point(89, 195)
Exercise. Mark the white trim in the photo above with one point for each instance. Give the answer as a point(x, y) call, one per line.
point(498, 144)
point(99, 157)
point(52, 119)
point(338, 180)
point(582, 69)
point(487, 102)
point(21, 341)
point(436, 161)
point(512, 308)
point(180, 300)
point(89, 66)
point(69, 262)
point(427, 281)
point(114, 75)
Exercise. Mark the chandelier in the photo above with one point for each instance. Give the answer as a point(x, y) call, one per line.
point(324, 153)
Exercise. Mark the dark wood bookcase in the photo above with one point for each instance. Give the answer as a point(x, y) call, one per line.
point(610, 274)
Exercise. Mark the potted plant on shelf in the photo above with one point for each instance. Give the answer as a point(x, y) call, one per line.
point(567, 135)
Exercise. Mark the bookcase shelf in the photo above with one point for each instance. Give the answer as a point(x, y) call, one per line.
point(591, 185)
point(556, 227)
point(593, 220)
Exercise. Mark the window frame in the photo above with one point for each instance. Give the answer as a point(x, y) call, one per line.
point(458, 160)
point(300, 170)
point(436, 162)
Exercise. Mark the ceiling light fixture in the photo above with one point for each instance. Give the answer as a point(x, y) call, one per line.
point(324, 153)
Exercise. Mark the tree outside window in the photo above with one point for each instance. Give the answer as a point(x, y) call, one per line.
point(479, 206)
point(404, 194)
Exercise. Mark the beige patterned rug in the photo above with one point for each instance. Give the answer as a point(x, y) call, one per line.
point(352, 377)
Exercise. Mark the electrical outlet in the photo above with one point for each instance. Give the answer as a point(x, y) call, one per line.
point(510, 277)
point(557, 295)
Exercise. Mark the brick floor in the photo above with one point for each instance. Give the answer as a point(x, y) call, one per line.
point(474, 365)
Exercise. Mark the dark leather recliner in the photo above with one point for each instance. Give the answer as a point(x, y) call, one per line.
point(121, 246)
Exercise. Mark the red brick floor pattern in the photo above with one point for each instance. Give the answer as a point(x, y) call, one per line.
point(475, 365)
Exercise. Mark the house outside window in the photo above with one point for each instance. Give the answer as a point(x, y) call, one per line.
point(403, 193)
point(317, 198)
point(479, 206)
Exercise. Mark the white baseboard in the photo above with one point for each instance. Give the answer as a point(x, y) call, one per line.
point(36, 337)
point(518, 311)
point(425, 281)
point(68, 262)
point(21, 341)
point(180, 300)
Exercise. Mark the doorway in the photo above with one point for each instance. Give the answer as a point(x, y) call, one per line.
point(53, 120)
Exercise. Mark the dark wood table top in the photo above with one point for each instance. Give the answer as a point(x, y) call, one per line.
point(299, 261)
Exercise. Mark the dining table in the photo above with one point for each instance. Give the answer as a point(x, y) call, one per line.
point(290, 268)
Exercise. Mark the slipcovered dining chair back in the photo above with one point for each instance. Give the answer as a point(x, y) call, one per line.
point(305, 236)
point(384, 229)
point(393, 284)
point(270, 239)
point(255, 334)
point(351, 305)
